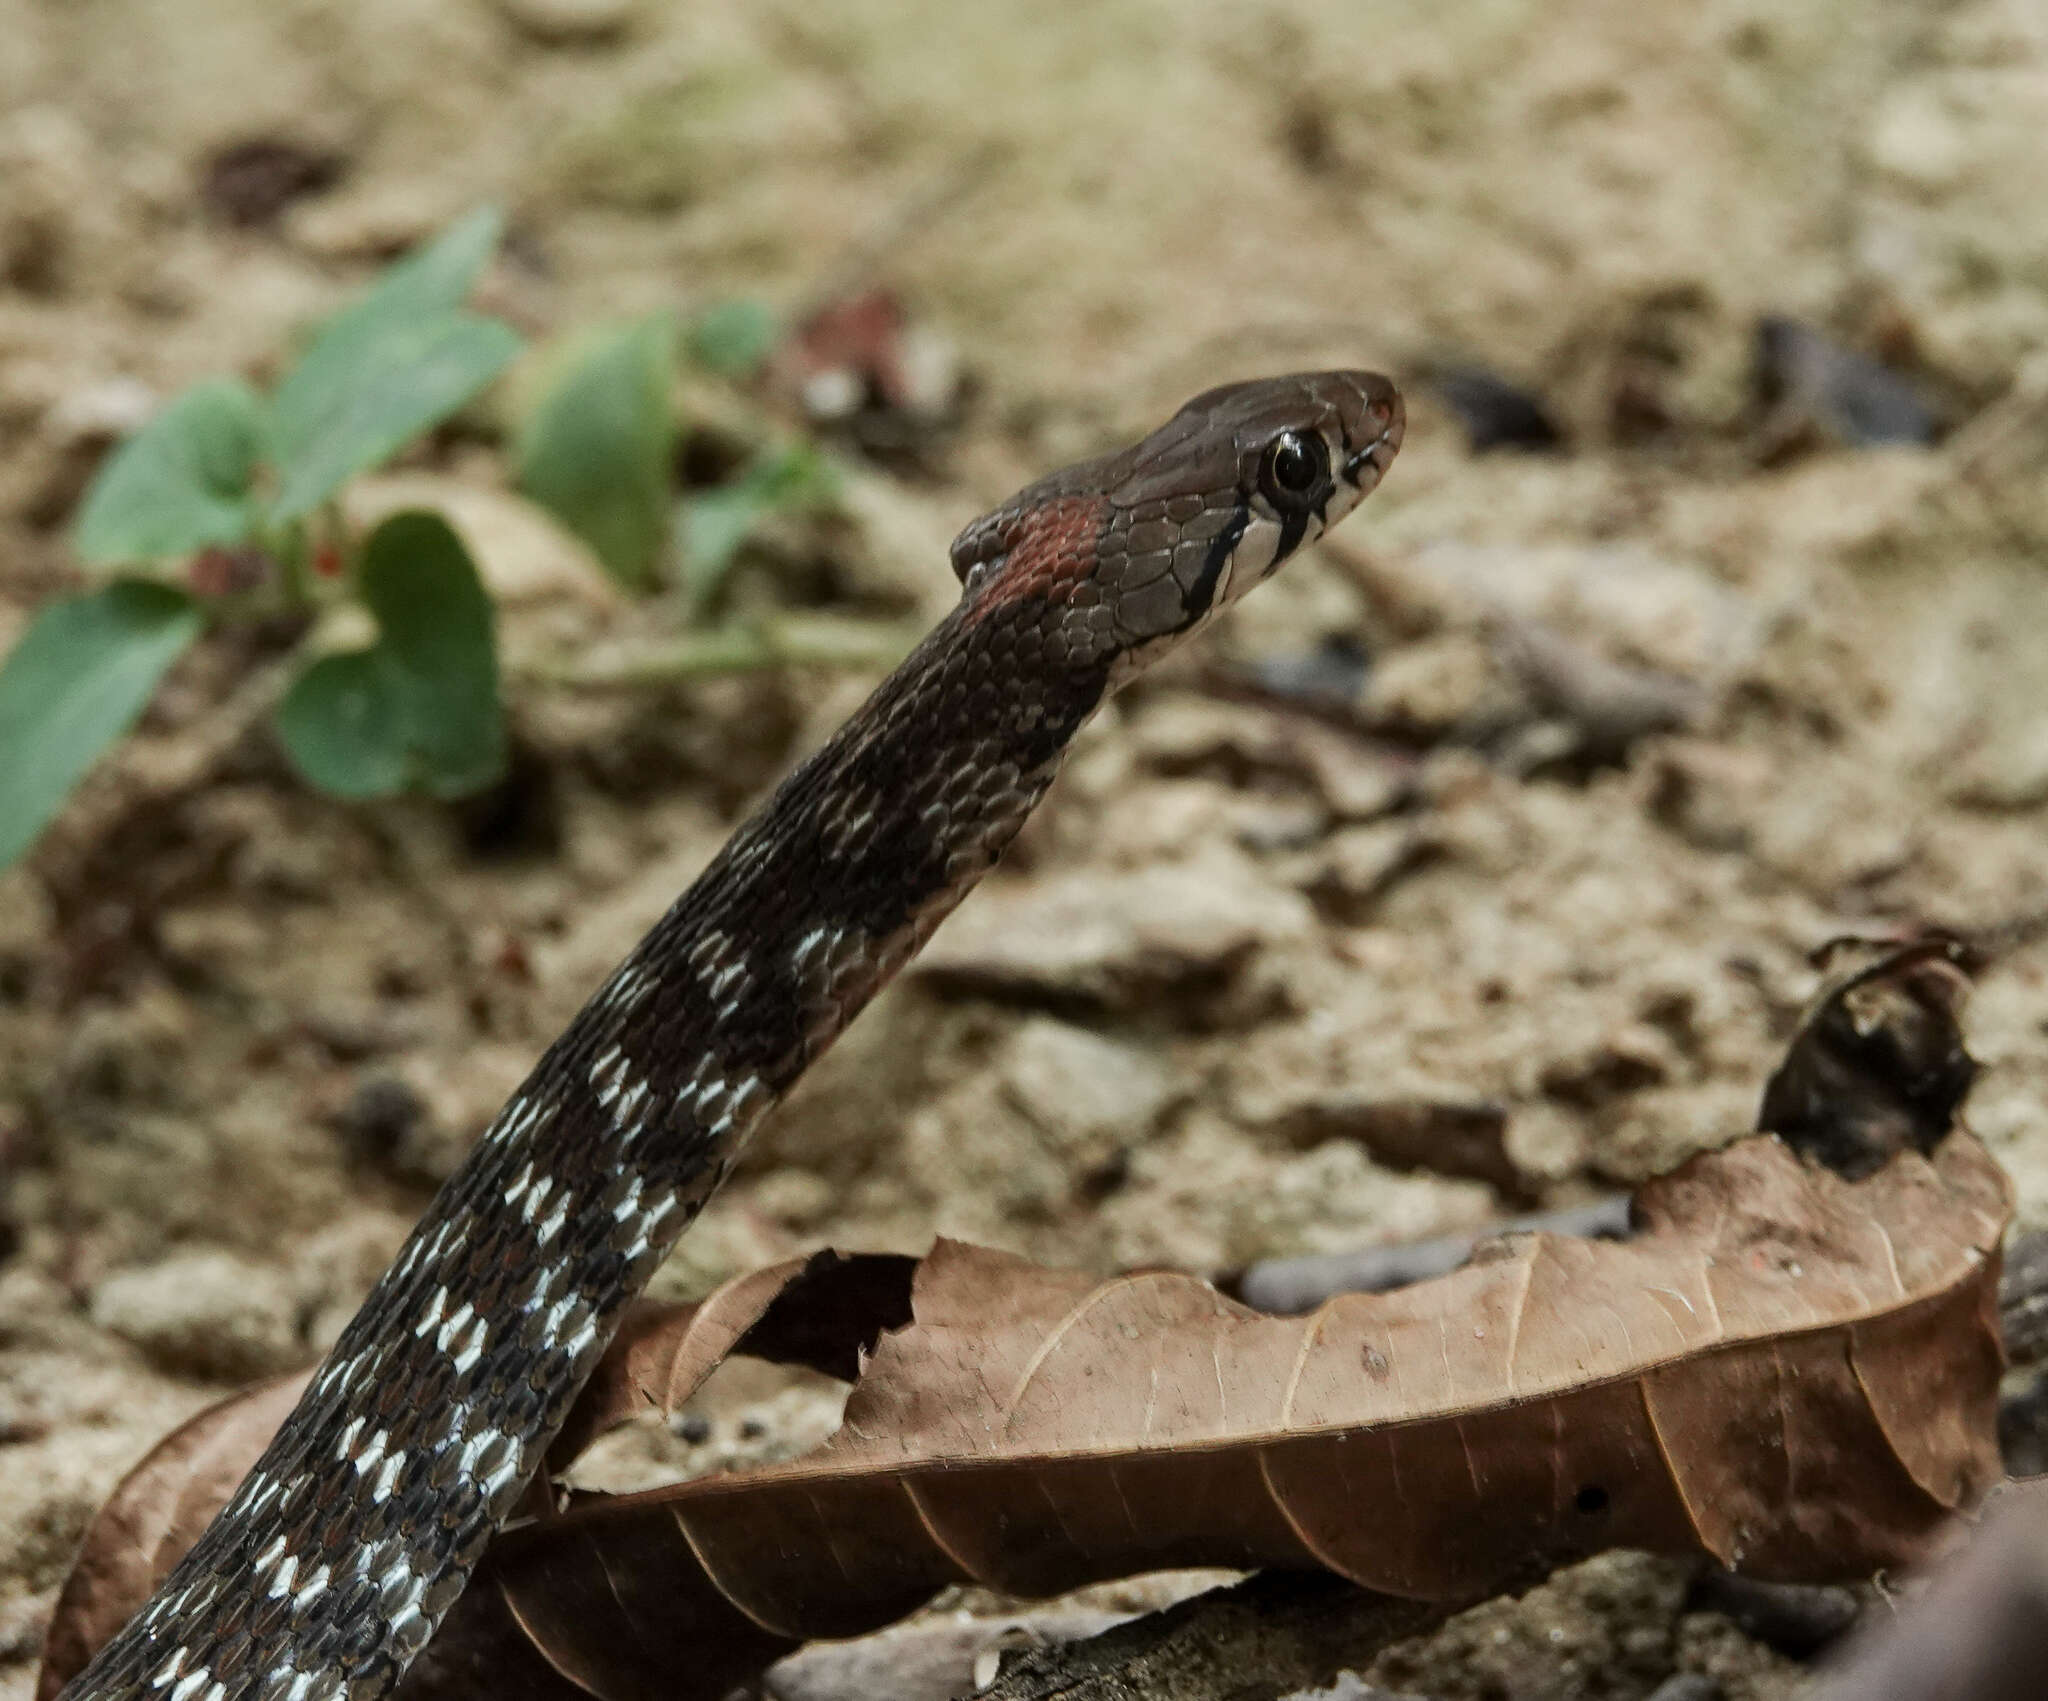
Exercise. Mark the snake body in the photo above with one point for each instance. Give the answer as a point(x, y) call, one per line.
point(337, 1556)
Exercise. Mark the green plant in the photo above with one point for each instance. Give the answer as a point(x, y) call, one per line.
point(228, 480)
point(224, 507)
point(598, 451)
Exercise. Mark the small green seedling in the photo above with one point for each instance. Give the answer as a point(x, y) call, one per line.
point(224, 506)
point(222, 474)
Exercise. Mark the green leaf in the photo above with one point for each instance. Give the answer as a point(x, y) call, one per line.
point(598, 450)
point(419, 708)
point(343, 728)
point(78, 679)
point(438, 277)
point(429, 283)
point(400, 378)
point(712, 525)
point(440, 632)
point(180, 483)
point(399, 361)
point(734, 338)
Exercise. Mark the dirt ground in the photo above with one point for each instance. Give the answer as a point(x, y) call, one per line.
point(243, 1030)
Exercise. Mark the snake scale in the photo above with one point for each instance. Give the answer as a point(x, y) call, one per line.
point(337, 1556)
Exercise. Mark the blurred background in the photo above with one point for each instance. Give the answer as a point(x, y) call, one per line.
point(1472, 866)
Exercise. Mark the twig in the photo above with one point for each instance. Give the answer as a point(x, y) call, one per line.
point(1289, 1286)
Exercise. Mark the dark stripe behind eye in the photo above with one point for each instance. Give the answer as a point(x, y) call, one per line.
point(1203, 591)
point(1292, 530)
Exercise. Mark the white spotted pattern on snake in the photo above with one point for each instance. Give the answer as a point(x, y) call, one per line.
point(329, 1569)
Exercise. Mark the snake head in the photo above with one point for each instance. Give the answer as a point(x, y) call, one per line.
point(1137, 549)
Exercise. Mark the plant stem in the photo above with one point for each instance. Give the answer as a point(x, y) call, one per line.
point(290, 549)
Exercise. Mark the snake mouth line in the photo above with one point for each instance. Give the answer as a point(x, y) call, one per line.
point(1376, 455)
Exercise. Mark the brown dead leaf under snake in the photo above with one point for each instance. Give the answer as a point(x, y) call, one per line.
point(1792, 1373)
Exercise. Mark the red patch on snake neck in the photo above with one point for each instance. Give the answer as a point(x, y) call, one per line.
point(1054, 552)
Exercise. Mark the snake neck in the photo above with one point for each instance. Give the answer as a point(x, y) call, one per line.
point(354, 1533)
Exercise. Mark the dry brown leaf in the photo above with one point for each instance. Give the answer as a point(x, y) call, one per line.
point(158, 1512)
point(1790, 1372)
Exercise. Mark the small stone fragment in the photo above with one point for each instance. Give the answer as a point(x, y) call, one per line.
point(565, 21)
point(1811, 385)
point(1797, 1619)
point(1088, 1094)
point(1113, 940)
point(250, 182)
point(1497, 414)
point(934, 1660)
point(382, 1117)
point(1357, 866)
point(1687, 1686)
point(208, 1314)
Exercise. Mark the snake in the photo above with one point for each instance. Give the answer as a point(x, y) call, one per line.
point(334, 1560)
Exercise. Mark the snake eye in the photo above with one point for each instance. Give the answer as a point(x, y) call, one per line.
point(1295, 467)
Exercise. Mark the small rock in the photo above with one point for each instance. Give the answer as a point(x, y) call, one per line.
point(1495, 413)
point(2007, 772)
point(1799, 1620)
point(1687, 1686)
point(1443, 1136)
point(1624, 601)
point(1115, 939)
point(333, 1268)
point(563, 21)
point(1627, 1060)
point(1333, 672)
point(934, 1660)
point(1709, 794)
point(1358, 866)
point(1919, 139)
point(799, 1197)
point(208, 1314)
point(215, 943)
point(53, 200)
point(2023, 1430)
point(381, 1118)
point(1437, 686)
point(22, 1622)
point(249, 183)
point(1348, 1687)
point(376, 222)
point(1812, 385)
point(98, 413)
point(1607, 703)
point(1091, 1095)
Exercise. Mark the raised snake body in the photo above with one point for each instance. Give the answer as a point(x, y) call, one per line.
point(330, 1567)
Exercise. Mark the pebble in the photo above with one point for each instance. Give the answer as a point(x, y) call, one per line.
point(566, 21)
point(1687, 1686)
point(1348, 1687)
point(207, 1314)
point(1799, 1620)
point(932, 1660)
point(1117, 939)
point(1088, 1092)
point(383, 1115)
point(1621, 600)
point(99, 412)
